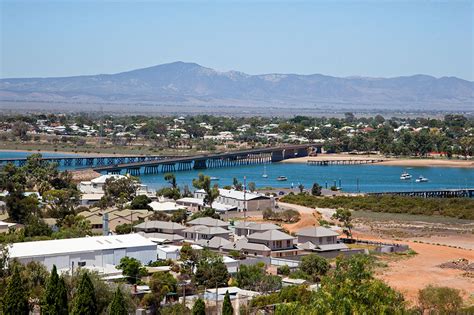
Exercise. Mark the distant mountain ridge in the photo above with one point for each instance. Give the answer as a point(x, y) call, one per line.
point(190, 83)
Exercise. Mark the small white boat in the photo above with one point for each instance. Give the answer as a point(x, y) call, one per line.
point(264, 175)
point(405, 176)
point(282, 178)
point(214, 178)
point(421, 179)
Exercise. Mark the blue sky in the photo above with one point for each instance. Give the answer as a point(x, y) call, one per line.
point(340, 38)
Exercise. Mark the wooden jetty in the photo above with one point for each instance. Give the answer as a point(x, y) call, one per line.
point(343, 162)
point(441, 193)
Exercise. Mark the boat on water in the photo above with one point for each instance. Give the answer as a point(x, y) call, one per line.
point(264, 175)
point(405, 176)
point(282, 178)
point(214, 178)
point(421, 179)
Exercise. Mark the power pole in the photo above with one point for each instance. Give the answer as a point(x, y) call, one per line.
point(245, 198)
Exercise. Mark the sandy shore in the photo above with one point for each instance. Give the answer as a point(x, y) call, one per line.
point(386, 161)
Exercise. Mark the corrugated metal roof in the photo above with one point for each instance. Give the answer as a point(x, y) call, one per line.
point(74, 245)
point(257, 226)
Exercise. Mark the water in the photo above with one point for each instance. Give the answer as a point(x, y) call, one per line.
point(371, 178)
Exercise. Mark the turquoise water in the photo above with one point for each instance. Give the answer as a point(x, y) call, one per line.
point(371, 178)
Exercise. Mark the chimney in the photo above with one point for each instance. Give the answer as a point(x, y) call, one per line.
point(105, 224)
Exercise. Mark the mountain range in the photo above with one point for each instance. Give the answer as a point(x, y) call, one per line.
point(181, 83)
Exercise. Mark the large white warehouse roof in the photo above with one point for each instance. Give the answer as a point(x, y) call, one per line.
point(77, 245)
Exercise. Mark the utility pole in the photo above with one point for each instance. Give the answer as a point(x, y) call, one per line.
point(245, 198)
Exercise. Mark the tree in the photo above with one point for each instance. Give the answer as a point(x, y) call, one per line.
point(315, 266)
point(211, 272)
point(74, 226)
point(227, 308)
point(54, 300)
point(121, 189)
point(37, 227)
point(140, 202)
point(345, 217)
point(171, 178)
point(316, 190)
point(61, 202)
point(206, 212)
point(204, 182)
point(439, 300)
point(301, 188)
point(15, 299)
point(252, 186)
point(179, 216)
point(131, 268)
point(199, 307)
point(118, 305)
point(161, 283)
point(254, 277)
point(85, 302)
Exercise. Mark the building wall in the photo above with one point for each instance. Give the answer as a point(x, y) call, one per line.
point(99, 258)
point(275, 245)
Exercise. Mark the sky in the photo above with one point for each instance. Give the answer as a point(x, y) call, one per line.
point(339, 38)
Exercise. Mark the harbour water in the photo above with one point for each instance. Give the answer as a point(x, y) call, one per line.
point(351, 178)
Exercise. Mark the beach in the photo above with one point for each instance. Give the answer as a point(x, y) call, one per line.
point(427, 162)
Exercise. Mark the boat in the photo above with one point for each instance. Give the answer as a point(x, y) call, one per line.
point(264, 175)
point(214, 178)
point(405, 176)
point(421, 179)
point(282, 178)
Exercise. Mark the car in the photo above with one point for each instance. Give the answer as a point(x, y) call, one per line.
point(281, 193)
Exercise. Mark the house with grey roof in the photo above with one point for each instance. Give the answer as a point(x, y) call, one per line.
point(250, 249)
point(215, 243)
point(198, 232)
point(244, 228)
point(317, 235)
point(273, 239)
point(160, 227)
point(210, 222)
point(161, 232)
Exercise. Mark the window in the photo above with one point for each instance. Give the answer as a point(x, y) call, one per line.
point(81, 263)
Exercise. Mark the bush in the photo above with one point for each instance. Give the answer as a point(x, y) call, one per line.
point(460, 208)
point(283, 270)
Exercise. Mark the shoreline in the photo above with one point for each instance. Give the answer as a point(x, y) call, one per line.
point(387, 161)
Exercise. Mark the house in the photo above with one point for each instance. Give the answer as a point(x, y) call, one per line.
point(94, 251)
point(166, 206)
point(198, 232)
point(127, 216)
point(96, 185)
point(172, 252)
point(207, 221)
point(5, 226)
point(161, 231)
point(318, 238)
point(244, 228)
point(250, 249)
point(280, 244)
point(215, 243)
point(240, 199)
point(197, 204)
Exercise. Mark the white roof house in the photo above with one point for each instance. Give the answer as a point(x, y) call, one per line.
point(95, 251)
point(167, 206)
point(199, 202)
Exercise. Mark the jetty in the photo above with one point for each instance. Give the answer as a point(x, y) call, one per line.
point(440, 193)
point(343, 162)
